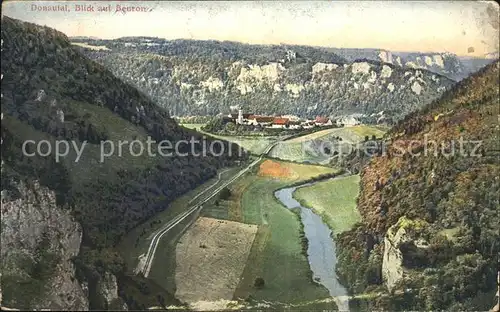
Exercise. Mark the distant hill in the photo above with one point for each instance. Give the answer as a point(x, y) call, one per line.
point(53, 92)
point(209, 77)
point(429, 233)
point(446, 64)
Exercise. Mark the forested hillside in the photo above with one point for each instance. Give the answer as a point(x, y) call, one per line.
point(429, 236)
point(53, 92)
point(209, 77)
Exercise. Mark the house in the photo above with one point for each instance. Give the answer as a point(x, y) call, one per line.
point(295, 125)
point(322, 121)
point(291, 117)
point(280, 122)
point(260, 120)
point(239, 118)
point(235, 116)
point(308, 124)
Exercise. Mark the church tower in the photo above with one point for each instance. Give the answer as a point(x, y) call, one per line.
point(240, 117)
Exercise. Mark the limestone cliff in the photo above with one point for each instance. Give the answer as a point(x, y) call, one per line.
point(316, 86)
point(402, 232)
point(38, 241)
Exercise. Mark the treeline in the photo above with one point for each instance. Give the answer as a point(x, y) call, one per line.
point(219, 50)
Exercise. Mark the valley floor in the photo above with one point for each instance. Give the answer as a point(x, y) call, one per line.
point(271, 249)
point(254, 144)
point(310, 148)
point(334, 200)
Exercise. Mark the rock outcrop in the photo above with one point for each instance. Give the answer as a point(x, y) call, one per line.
point(38, 241)
point(108, 289)
point(447, 64)
point(392, 264)
point(200, 86)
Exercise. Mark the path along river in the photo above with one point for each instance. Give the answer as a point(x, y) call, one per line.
point(321, 251)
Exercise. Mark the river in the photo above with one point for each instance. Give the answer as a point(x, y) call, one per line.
point(321, 252)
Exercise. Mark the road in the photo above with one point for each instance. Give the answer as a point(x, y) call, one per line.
point(145, 267)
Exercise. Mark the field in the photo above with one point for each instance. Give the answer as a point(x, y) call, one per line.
point(364, 130)
point(277, 249)
point(211, 256)
point(275, 254)
point(291, 171)
point(92, 47)
point(192, 126)
point(254, 144)
point(311, 147)
point(334, 200)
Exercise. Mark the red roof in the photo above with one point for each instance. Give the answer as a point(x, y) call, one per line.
point(264, 119)
point(280, 121)
point(321, 119)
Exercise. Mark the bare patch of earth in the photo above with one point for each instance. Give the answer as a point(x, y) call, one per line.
point(210, 259)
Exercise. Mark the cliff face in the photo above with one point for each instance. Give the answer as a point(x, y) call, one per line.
point(446, 64)
point(393, 270)
point(108, 289)
point(307, 85)
point(38, 241)
point(392, 263)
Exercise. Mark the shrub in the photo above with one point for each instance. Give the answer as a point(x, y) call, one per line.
point(259, 282)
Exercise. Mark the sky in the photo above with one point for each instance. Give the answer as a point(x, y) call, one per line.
point(466, 28)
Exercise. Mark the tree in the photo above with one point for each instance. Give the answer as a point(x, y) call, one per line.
point(230, 126)
point(224, 194)
point(259, 282)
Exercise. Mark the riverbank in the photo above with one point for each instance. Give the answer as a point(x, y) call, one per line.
point(333, 199)
point(321, 250)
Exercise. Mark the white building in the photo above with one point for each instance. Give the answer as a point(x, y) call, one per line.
point(291, 117)
point(240, 117)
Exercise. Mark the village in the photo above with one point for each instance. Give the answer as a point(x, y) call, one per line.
point(291, 122)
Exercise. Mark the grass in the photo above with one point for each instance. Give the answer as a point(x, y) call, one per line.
point(164, 264)
point(296, 152)
point(334, 200)
point(365, 130)
point(276, 254)
point(89, 165)
point(279, 259)
point(302, 149)
point(192, 126)
point(88, 168)
point(254, 144)
point(314, 135)
point(292, 171)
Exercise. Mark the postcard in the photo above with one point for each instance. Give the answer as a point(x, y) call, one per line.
point(250, 155)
